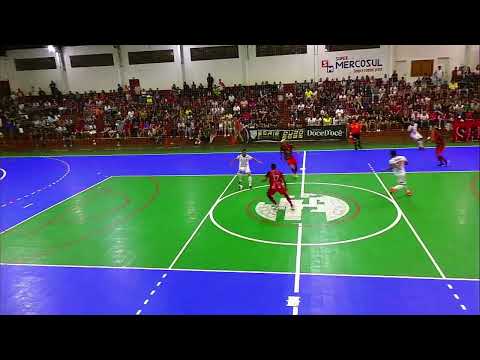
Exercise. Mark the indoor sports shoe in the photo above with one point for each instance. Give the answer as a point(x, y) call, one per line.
point(393, 190)
point(409, 192)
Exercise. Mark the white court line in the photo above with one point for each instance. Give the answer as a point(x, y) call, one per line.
point(432, 259)
point(189, 240)
point(200, 224)
point(298, 260)
point(239, 271)
point(4, 173)
point(302, 189)
point(225, 152)
point(36, 214)
point(26, 206)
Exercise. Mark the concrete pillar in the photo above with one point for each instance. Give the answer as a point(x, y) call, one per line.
point(63, 85)
point(244, 58)
point(182, 65)
point(120, 67)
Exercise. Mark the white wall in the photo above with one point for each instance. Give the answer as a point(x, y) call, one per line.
point(88, 78)
point(37, 78)
point(455, 55)
point(229, 70)
point(472, 56)
point(247, 69)
point(160, 75)
point(7, 68)
point(284, 68)
point(288, 68)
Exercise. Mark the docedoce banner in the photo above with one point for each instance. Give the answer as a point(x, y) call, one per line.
point(332, 132)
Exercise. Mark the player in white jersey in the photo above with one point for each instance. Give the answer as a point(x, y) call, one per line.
point(244, 168)
point(415, 135)
point(397, 165)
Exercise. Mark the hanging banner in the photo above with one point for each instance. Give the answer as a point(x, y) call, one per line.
point(332, 132)
point(353, 64)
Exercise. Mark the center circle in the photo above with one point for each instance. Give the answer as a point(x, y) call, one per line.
point(273, 242)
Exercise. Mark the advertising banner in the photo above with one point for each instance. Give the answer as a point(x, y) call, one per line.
point(332, 132)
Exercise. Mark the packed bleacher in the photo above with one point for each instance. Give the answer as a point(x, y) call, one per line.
point(199, 114)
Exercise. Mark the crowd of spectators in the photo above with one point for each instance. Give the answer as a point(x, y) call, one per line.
point(199, 113)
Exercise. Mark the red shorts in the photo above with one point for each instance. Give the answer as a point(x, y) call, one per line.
point(291, 161)
point(439, 149)
point(281, 190)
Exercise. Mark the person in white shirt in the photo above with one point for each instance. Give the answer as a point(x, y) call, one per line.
point(415, 135)
point(244, 168)
point(231, 98)
point(236, 109)
point(438, 75)
point(397, 166)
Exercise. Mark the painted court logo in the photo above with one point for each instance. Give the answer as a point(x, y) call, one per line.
point(334, 208)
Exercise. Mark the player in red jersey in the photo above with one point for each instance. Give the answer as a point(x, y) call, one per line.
point(286, 150)
point(277, 184)
point(355, 131)
point(437, 137)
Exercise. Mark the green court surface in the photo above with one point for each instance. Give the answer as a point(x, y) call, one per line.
point(145, 221)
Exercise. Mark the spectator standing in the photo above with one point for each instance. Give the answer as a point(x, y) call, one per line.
point(210, 82)
point(438, 75)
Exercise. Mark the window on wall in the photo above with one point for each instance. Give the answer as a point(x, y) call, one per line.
point(44, 63)
point(421, 68)
point(277, 50)
point(150, 57)
point(91, 60)
point(350, 47)
point(214, 53)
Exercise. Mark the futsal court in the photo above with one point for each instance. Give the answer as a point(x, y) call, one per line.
point(171, 234)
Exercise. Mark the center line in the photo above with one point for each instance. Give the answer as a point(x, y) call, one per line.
point(296, 288)
point(302, 189)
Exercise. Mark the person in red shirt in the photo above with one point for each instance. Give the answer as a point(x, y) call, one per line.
point(355, 129)
point(277, 184)
point(286, 150)
point(437, 137)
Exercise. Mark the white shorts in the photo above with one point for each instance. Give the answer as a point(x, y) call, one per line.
point(416, 137)
point(401, 179)
point(244, 170)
